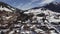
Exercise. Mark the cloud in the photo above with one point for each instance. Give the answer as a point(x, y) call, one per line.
point(28, 5)
point(46, 2)
point(32, 2)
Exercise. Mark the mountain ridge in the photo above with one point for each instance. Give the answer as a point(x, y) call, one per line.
point(55, 7)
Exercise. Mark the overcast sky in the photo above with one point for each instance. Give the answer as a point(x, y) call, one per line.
point(26, 4)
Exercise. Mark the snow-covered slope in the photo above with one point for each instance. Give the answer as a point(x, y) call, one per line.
point(7, 7)
point(4, 8)
point(49, 14)
point(36, 20)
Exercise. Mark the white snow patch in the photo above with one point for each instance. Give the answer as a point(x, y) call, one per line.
point(4, 8)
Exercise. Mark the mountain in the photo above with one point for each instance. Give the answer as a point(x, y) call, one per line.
point(6, 7)
point(53, 7)
point(9, 14)
point(51, 10)
point(38, 20)
point(50, 13)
